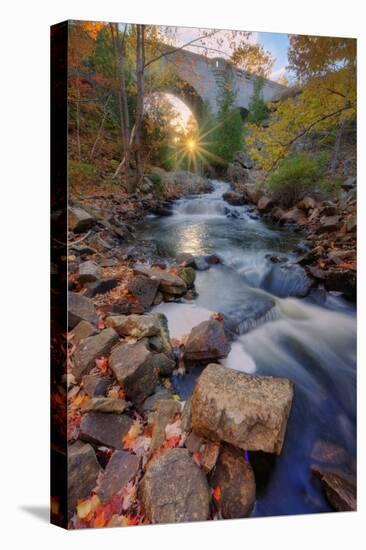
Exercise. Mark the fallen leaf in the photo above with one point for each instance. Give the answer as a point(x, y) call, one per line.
point(217, 493)
point(102, 364)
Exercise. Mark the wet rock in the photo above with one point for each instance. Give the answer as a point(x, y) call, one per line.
point(328, 223)
point(91, 349)
point(174, 489)
point(234, 476)
point(82, 474)
point(121, 469)
point(166, 410)
point(79, 220)
point(133, 366)
point(207, 341)
point(83, 330)
point(265, 204)
point(339, 490)
point(105, 405)
point(285, 280)
point(188, 275)
point(248, 314)
point(104, 428)
point(95, 386)
point(163, 364)
point(201, 263)
point(247, 411)
point(144, 289)
point(101, 287)
point(277, 214)
point(150, 404)
point(80, 309)
point(212, 259)
point(234, 198)
point(168, 283)
point(89, 272)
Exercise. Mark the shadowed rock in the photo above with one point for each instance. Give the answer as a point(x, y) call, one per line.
point(121, 468)
point(91, 349)
point(235, 478)
point(80, 309)
point(104, 428)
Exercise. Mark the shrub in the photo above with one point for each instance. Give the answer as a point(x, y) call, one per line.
point(258, 110)
point(81, 172)
point(296, 176)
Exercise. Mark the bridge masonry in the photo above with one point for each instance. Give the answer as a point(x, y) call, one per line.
point(207, 76)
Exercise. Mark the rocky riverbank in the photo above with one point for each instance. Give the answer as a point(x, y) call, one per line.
point(137, 450)
point(329, 249)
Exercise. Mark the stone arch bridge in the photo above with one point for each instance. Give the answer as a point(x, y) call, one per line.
point(201, 78)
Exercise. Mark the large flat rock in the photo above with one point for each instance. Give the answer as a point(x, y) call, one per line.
point(174, 489)
point(104, 428)
point(247, 411)
point(168, 282)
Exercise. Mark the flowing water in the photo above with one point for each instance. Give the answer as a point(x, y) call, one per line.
point(276, 330)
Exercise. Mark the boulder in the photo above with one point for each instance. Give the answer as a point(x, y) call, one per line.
point(95, 386)
point(104, 428)
point(237, 173)
point(209, 453)
point(174, 489)
point(166, 410)
point(293, 216)
point(105, 405)
point(80, 309)
point(121, 468)
point(342, 280)
point(91, 349)
point(89, 272)
point(207, 341)
point(168, 283)
point(250, 412)
point(83, 330)
point(122, 307)
point(83, 470)
point(133, 366)
point(186, 420)
point(265, 204)
point(101, 287)
point(79, 220)
point(235, 478)
point(144, 289)
point(163, 364)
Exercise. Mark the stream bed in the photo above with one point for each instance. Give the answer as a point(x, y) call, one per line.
point(279, 328)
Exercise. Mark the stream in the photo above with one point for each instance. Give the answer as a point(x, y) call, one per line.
point(279, 328)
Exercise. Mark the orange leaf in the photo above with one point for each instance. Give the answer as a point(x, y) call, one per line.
point(172, 442)
point(99, 520)
point(217, 493)
point(100, 324)
point(102, 364)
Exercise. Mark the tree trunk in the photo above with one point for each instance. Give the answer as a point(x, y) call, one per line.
point(140, 67)
point(100, 129)
point(122, 100)
point(333, 164)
